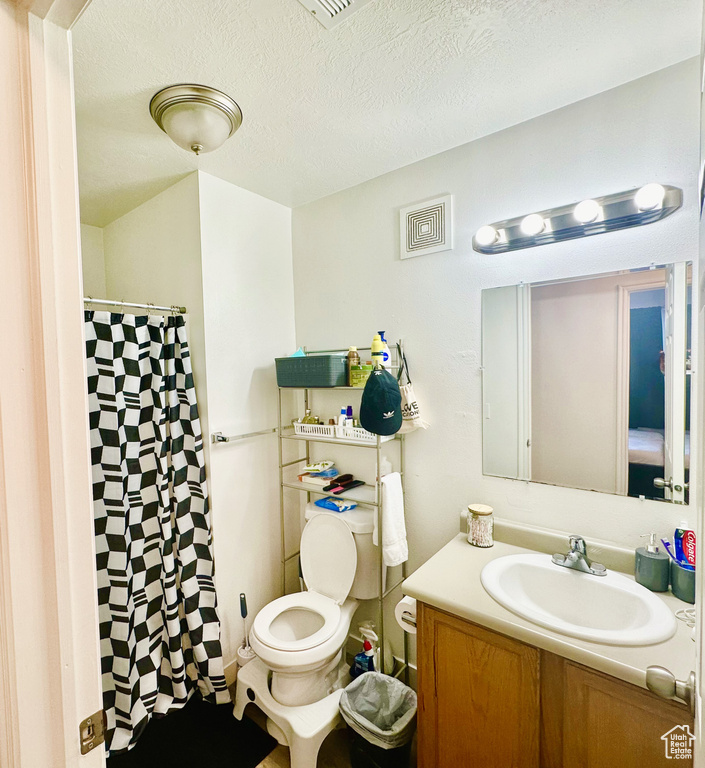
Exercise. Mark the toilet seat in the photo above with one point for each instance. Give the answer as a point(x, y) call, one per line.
point(328, 562)
point(311, 601)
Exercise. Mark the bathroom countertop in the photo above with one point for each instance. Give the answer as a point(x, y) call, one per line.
point(450, 581)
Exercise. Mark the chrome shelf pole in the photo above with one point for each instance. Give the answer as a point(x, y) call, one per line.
point(281, 491)
point(380, 533)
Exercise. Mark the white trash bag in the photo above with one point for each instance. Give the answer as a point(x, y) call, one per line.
point(381, 709)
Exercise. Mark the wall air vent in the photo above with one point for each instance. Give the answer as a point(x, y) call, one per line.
point(332, 12)
point(426, 227)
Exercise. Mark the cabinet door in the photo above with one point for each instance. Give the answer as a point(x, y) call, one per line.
point(608, 722)
point(478, 696)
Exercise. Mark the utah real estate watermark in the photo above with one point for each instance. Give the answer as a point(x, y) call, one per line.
point(679, 743)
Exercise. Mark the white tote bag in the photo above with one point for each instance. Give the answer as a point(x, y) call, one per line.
point(410, 410)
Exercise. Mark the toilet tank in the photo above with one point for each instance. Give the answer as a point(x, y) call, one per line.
point(361, 522)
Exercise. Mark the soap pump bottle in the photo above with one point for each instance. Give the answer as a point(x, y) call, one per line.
point(651, 566)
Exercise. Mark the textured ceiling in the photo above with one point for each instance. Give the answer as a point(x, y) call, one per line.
point(324, 110)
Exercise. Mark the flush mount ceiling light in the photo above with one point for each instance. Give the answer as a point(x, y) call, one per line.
point(621, 210)
point(195, 117)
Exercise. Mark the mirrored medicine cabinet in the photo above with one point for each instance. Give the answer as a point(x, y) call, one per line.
point(586, 382)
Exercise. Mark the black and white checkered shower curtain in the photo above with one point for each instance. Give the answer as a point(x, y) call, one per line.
point(159, 627)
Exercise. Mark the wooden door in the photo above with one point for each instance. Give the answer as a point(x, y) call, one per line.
point(607, 722)
point(478, 696)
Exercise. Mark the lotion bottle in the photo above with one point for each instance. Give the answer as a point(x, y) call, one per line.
point(386, 354)
point(377, 351)
point(651, 566)
point(353, 361)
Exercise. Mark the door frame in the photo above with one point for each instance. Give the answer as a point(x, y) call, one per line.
point(675, 390)
point(49, 647)
point(624, 293)
point(698, 362)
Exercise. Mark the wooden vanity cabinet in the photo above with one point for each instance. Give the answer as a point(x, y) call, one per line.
point(596, 720)
point(489, 700)
point(478, 696)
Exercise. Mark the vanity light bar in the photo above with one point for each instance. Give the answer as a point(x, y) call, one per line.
point(595, 216)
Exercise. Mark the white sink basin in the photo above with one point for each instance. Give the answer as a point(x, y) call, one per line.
point(609, 609)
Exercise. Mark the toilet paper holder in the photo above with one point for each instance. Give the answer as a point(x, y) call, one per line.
point(409, 618)
point(405, 614)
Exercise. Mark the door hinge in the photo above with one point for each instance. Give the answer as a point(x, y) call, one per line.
point(92, 731)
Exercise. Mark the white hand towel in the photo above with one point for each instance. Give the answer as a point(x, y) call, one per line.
point(395, 550)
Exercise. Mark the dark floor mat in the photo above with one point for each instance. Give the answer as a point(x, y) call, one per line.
point(200, 734)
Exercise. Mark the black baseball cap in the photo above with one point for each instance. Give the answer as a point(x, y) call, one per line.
point(380, 409)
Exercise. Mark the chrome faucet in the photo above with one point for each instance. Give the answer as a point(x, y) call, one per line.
point(577, 558)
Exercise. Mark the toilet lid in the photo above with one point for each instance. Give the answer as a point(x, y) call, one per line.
point(328, 557)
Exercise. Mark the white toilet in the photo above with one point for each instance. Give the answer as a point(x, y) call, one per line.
point(300, 637)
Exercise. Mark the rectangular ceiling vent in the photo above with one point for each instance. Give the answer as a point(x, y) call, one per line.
point(332, 12)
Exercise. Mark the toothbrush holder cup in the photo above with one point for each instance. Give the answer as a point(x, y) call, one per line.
point(683, 583)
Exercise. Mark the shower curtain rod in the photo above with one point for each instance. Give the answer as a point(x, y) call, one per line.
point(173, 308)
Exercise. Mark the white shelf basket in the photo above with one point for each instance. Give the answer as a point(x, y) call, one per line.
point(358, 434)
point(314, 430)
point(334, 432)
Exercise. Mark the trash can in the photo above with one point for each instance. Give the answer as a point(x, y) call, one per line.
point(381, 711)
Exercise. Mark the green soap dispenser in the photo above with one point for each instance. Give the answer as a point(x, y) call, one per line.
point(651, 567)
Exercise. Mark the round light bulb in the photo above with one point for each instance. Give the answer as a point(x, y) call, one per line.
point(486, 235)
point(587, 211)
point(649, 197)
point(533, 224)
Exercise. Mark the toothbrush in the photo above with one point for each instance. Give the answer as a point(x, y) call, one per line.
point(682, 563)
point(667, 546)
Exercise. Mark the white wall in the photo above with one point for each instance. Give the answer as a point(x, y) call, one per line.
point(93, 261)
point(249, 320)
point(153, 256)
point(226, 255)
point(349, 282)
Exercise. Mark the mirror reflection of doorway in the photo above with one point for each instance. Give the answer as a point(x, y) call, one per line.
point(559, 406)
point(648, 395)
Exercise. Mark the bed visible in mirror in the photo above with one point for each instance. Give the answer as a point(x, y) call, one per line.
point(647, 461)
point(586, 382)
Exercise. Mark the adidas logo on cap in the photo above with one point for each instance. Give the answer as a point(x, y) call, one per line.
point(388, 415)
